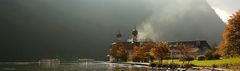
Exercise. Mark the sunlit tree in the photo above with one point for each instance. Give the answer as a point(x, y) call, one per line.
point(150, 50)
point(118, 51)
point(138, 53)
point(231, 37)
point(147, 46)
point(221, 49)
point(143, 52)
point(160, 50)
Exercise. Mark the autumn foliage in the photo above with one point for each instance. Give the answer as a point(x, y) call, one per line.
point(186, 50)
point(118, 51)
point(150, 50)
point(231, 37)
point(142, 52)
point(138, 52)
point(161, 49)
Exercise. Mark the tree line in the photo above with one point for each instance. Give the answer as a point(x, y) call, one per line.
point(150, 51)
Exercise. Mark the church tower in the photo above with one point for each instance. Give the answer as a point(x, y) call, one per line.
point(119, 36)
point(135, 33)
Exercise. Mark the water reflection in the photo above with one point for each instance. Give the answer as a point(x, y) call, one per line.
point(121, 67)
point(48, 65)
point(93, 66)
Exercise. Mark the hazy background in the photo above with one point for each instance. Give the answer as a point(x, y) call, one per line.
point(36, 29)
point(224, 8)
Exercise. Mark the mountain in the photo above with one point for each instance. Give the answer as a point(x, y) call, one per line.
point(37, 29)
point(177, 20)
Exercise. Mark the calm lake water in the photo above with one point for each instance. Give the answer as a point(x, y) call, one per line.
point(96, 66)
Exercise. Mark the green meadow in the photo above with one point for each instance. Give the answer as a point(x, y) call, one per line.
point(219, 62)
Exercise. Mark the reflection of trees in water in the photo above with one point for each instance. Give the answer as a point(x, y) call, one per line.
point(49, 65)
point(127, 67)
point(131, 69)
point(139, 69)
point(78, 67)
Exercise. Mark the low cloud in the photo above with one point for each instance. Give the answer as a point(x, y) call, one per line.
point(181, 20)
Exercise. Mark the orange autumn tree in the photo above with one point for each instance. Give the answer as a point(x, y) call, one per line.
point(141, 53)
point(231, 37)
point(118, 51)
point(221, 49)
point(138, 53)
point(160, 50)
point(150, 50)
point(187, 52)
point(147, 46)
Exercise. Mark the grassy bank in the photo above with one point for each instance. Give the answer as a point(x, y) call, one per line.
point(220, 62)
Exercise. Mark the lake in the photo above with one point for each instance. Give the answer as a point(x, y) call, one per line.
point(94, 66)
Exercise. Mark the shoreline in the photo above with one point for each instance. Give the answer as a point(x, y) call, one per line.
point(198, 68)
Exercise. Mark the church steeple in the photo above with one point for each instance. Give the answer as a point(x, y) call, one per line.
point(119, 36)
point(134, 33)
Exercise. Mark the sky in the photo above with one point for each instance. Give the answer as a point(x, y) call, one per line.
point(38, 29)
point(225, 8)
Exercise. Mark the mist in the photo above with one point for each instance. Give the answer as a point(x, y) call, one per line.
point(180, 20)
point(37, 29)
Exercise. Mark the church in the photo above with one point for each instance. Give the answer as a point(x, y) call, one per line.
point(200, 46)
point(128, 45)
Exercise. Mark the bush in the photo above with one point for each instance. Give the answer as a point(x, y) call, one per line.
point(136, 60)
point(140, 60)
point(187, 59)
point(211, 56)
point(214, 65)
point(216, 56)
point(165, 65)
point(174, 65)
point(187, 65)
point(153, 64)
point(201, 57)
